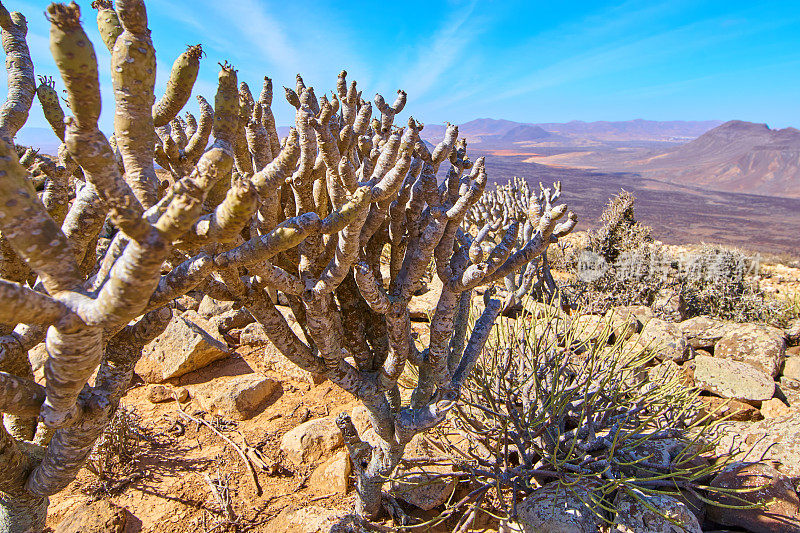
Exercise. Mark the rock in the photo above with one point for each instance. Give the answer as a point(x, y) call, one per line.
point(703, 331)
point(311, 441)
point(275, 361)
point(665, 339)
point(641, 312)
point(733, 410)
point(234, 318)
point(254, 335)
point(38, 356)
point(670, 304)
point(774, 408)
point(209, 307)
point(667, 371)
point(775, 441)
point(160, 393)
point(186, 344)
point(791, 368)
point(776, 490)
point(732, 379)
point(189, 302)
point(790, 389)
point(332, 476)
point(664, 453)
point(553, 508)
point(360, 418)
point(634, 516)
point(793, 332)
point(271, 359)
point(237, 397)
point(182, 395)
point(101, 516)
point(314, 519)
point(623, 322)
point(425, 487)
point(761, 347)
point(587, 328)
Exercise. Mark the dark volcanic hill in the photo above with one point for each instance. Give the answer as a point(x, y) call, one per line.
point(736, 157)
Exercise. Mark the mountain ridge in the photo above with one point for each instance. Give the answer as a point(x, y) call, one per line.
point(736, 156)
point(488, 130)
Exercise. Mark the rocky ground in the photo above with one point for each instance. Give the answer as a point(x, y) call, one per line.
point(224, 434)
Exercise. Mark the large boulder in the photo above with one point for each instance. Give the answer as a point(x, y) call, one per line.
point(643, 513)
point(315, 519)
point(703, 332)
point(732, 379)
point(758, 483)
point(762, 347)
point(554, 508)
point(188, 343)
point(237, 397)
point(665, 339)
point(776, 440)
point(311, 441)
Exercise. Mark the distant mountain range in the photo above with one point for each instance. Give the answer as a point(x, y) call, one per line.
point(494, 131)
point(735, 156)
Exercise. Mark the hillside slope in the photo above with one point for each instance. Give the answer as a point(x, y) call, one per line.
point(736, 157)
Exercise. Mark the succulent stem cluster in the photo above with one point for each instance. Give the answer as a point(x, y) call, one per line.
point(243, 219)
point(515, 203)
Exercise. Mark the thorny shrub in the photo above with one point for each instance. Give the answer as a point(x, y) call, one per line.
point(554, 400)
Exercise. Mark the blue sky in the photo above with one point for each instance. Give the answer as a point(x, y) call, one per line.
point(529, 61)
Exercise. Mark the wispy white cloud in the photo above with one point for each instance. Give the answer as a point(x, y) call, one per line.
point(438, 54)
point(254, 32)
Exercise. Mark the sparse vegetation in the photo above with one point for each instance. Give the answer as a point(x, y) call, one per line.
point(116, 452)
point(624, 266)
point(557, 400)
